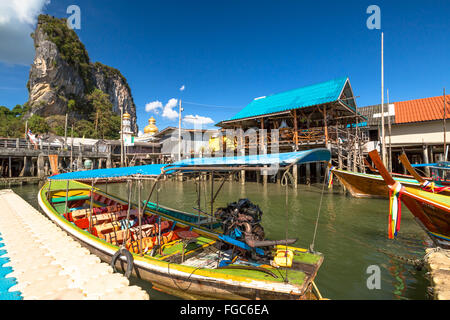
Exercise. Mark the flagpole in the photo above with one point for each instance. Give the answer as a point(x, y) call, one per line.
point(179, 132)
point(121, 137)
point(445, 129)
point(383, 144)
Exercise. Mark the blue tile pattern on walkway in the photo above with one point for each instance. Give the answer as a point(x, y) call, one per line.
point(6, 283)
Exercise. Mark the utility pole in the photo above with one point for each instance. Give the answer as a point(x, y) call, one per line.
point(179, 131)
point(65, 133)
point(383, 141)
point(445, 129)
point(389, 132)
point(121, 137)
point(71, 150)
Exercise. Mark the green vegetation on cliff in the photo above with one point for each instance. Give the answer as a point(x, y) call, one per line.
point(70, 47)
point(102, 123)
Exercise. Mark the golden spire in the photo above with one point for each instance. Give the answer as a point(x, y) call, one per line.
point(151, 128)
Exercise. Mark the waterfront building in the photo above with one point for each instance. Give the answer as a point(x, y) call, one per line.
point(322, 115)
point(417, 128)
point(194, 142)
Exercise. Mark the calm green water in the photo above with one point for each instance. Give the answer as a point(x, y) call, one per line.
point(351, 232)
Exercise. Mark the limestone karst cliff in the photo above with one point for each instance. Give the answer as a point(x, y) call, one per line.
point(62, 75)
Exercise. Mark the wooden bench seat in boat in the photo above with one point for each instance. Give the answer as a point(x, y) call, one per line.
point(82, 213)
point(149, 242)
point(114, 232)
point(104, 218)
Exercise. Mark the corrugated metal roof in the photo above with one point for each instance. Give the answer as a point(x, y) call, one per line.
point(421, 109)
point(311, 95)
point(373, 114)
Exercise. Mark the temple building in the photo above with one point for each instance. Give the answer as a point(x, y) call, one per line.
point(149, 132)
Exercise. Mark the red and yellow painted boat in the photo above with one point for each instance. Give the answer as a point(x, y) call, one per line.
point(432, 211)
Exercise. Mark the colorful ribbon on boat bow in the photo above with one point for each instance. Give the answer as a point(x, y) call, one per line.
point(330, 177)
point(430, 186)
point(394, 210)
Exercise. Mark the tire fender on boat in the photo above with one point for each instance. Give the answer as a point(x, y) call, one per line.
point(129, 257)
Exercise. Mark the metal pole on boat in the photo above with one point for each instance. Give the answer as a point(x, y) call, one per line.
point(159, 235)
point(130, 185)
point(139, 215)
point(67, 195)
point(287, 226)
point(212, 193)
point(91, 206)
point(49, 188)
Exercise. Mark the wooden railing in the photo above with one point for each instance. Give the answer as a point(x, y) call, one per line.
point(305, 136)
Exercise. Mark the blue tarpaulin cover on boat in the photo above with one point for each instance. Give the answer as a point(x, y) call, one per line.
point(146, 170)
point(281, 159)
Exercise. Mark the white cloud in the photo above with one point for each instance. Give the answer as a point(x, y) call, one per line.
point(182, 88)
point(17, 21)
point(168, 111)
point(198, 120)
point(153, 106)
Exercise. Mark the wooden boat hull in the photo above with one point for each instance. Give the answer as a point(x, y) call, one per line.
point(432, 211)
point(361, 185)
point(181, 280)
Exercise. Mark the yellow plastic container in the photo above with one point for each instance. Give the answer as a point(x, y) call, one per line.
point(284, 258)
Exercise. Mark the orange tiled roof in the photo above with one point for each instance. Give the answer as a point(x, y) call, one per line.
point(421, 109)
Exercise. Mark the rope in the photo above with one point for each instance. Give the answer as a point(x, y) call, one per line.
point(287, 178)
point(311, 247)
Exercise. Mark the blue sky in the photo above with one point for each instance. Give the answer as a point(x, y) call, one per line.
point(226, 53)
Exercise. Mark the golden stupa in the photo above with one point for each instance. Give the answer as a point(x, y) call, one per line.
point(151, 128)
point(126, 115)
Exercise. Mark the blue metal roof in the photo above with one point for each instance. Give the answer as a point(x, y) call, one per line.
point(315, 94)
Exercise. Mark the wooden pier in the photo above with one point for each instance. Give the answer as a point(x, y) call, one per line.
point(20, 158)
point(438, 264)
point(47, 264)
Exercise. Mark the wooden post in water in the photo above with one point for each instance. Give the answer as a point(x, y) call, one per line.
point(425, 159)
point(295, 130)
point(242, 143)
point(295, 175)
point(318, 172)
point(308, 173)
point(325, 126)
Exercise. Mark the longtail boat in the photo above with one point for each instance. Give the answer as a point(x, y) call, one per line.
point(189, 255)
point(432, 211)
point(366, 185)
point(439, 182)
